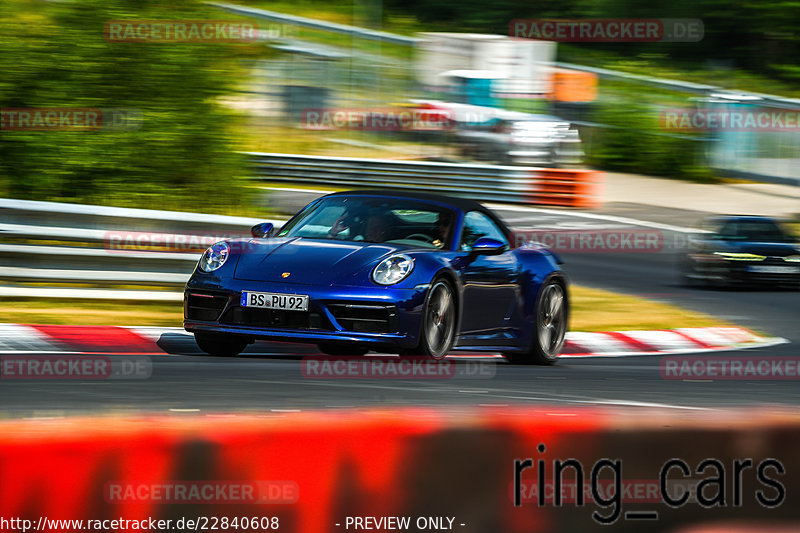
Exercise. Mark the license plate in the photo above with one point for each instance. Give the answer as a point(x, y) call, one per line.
point(769, 269)
point(269, 300)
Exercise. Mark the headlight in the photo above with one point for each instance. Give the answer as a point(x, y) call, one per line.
point(214, 257)
point(792, 258)
point(393, 270)
point(740, 257)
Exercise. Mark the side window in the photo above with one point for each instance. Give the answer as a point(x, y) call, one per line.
point(729, 230)
point(477, 225)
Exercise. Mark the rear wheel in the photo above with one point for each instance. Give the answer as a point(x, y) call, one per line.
point(221, 344)
point(438, 321)
point(550, 327)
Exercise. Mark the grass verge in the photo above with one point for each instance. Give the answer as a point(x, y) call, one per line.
point(90, 312)
point(592, 310)
point(599, 310)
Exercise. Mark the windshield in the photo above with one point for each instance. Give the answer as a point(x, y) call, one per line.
point(374, 220)
point(753, 230)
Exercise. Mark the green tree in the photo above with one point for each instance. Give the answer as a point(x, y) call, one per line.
point(55, 54)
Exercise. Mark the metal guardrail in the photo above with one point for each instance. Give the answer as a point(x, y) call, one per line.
point(96, 216)
point(492, 183)
point(54, 250)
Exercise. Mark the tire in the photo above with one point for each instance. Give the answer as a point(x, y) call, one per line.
point(438, 331)
point(684, 269)
point(221, 344)
point(341, 349)
point(689, 281)
point(550, 326)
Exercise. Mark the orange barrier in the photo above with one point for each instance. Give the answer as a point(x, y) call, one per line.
point(407, 463)
point(567, 187)
point(573, 86)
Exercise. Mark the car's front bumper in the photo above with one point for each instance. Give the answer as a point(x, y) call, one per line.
point(375, 316)
point(765, 274)
point(768, 272)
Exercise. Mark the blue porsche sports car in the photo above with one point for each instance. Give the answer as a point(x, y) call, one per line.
point(391, 271)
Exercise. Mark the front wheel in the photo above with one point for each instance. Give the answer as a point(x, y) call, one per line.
point(689, 277)
point(438, 321)
point(221, 344)
point(550, 327)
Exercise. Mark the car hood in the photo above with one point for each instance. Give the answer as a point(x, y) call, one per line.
point(775, 249)
point(307, 261)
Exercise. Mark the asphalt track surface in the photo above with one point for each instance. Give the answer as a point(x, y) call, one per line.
point(268, 377)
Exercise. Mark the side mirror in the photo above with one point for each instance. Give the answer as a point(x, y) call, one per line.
point(262, 230)
point(488, 246)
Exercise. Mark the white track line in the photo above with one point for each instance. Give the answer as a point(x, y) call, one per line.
point(596, 216)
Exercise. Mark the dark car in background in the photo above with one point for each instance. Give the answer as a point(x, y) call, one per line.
point(742, 250)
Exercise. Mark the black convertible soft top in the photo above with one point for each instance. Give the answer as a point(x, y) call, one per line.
point(463, 204)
